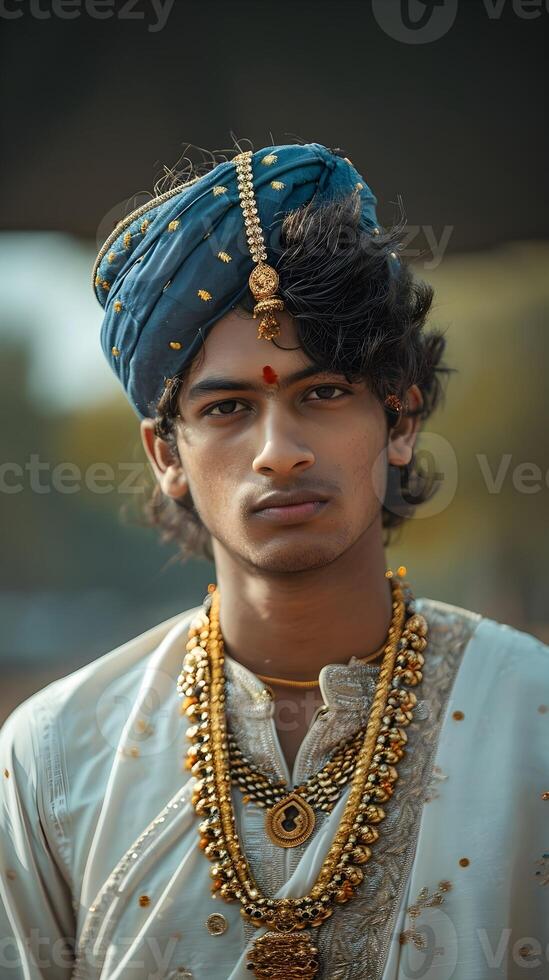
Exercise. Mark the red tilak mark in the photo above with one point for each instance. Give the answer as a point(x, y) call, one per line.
point(270, 376)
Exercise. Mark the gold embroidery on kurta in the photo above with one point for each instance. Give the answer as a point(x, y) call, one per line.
point(143, 726)
point(423, 901)
point(204, 294)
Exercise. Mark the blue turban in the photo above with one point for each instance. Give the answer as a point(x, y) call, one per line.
point(177, 264)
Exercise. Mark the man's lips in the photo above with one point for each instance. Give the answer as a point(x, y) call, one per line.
point(289, 499)
point(293, 513)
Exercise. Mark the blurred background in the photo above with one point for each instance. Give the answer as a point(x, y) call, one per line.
point(440, 105)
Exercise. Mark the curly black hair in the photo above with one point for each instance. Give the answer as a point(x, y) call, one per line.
point(360, 311)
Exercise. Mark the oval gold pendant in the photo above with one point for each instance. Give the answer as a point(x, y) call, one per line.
point(290, 822)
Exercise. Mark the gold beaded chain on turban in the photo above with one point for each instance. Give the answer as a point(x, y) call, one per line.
point(263, 280)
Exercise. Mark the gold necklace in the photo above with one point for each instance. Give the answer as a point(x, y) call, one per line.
point(286, 951)
point(290, 814)
point(285, 682)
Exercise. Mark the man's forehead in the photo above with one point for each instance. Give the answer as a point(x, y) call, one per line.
point(232, 351)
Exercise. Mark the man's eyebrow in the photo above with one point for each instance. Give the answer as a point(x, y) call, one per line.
point(213, 384)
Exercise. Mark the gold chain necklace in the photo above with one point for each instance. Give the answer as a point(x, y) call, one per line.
point(308, 685)
point(288, 821)
point(286, 951)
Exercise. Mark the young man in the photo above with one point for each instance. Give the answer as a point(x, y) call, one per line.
point(355, 784)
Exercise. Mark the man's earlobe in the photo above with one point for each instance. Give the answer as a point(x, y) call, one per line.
point(165, 463)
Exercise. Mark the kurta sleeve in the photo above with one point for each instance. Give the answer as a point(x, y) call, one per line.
point(37, 922)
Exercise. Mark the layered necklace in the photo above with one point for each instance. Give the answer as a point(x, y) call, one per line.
point(368, 761)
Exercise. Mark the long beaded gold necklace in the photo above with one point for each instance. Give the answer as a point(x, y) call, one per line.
point(286, 951)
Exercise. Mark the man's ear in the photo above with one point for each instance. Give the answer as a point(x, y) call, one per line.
point(403, 435)
point(166, 465)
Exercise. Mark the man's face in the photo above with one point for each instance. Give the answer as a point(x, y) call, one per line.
point(321, 434)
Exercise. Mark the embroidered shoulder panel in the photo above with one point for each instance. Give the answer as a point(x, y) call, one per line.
point(355, 941)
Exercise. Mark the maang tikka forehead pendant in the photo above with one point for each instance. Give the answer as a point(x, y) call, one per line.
point(263, 280)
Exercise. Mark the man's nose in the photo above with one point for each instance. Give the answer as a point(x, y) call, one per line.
point(282, 448)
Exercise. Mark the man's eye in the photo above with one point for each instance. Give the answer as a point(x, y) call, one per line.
point(225, 408)
point(329, 388)
point(229, 401)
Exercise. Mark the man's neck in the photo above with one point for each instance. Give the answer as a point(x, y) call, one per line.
point(291, 624)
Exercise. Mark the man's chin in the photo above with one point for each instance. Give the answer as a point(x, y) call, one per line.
point(291, 558)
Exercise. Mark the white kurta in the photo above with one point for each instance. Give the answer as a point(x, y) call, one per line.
point(98, 839)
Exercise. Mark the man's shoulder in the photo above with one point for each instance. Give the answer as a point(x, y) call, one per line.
point(116, 674)
point(486, 634)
